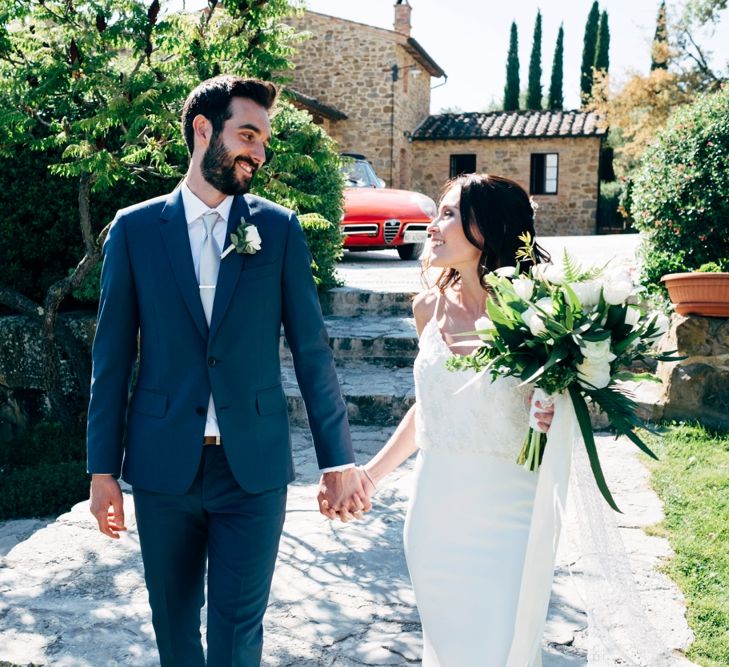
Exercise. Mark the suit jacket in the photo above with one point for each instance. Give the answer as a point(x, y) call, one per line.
point(150, 306)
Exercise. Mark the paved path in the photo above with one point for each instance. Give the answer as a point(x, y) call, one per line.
point(341, 596)
point(383, 270)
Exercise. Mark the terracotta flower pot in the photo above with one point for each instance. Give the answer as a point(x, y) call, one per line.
point(695, 293)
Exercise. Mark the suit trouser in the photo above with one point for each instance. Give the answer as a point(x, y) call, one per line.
point(237, 533)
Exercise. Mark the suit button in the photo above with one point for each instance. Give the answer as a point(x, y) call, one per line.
point(212, 361)
point(200, 412)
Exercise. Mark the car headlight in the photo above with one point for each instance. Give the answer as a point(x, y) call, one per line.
point(427, 206)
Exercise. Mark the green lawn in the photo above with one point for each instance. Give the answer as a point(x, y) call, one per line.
point(692, 480)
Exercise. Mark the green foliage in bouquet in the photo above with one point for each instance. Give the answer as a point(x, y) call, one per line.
point(680, 198)
point(566, 329)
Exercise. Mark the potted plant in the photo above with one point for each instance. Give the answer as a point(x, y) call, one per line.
point(702, 292)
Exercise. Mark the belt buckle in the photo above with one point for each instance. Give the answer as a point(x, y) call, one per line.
point(212, 440)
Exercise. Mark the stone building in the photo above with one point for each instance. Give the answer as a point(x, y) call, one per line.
point(554, 155)
point(370, 89)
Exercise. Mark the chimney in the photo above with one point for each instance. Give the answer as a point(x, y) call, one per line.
point(402, 17)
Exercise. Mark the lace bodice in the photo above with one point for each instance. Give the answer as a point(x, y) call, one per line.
point(487, 416)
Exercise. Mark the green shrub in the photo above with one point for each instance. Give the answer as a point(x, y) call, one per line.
point(680, 197)
point(43, 489)
point(42, 210)
point(304, 174)
point(714, 267)
point(325, 242)
point(43, 472)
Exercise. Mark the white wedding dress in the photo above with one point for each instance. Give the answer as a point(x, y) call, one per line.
point(468, 521)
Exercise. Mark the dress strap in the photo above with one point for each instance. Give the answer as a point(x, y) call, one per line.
point(438, 300)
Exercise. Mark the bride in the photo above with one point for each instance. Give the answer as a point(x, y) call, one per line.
point(469, 515)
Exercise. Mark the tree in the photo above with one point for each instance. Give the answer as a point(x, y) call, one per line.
point(659, 48)
point(101, 83)
point(699, 20)
point(602, 49)
point(589, 48)
point(556, 97)
point(511, 90)
point(637, 112)
point(534, 91)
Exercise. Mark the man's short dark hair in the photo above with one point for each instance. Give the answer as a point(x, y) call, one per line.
point(212, 99)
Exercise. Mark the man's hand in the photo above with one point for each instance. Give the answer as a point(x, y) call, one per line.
point(107, 505)
point(343, 494)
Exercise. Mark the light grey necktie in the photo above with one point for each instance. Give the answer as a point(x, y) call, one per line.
point(209, 264)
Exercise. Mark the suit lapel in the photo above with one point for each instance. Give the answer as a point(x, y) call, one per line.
point(230, 267)
point(176, 241)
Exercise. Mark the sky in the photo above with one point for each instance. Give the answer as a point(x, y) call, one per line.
point(469, 39)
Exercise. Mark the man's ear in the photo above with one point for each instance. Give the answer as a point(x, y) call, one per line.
point(203, 130)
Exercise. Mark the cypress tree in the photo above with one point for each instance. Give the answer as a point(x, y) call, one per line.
point(556, 97)
point(659, 50)
point(602, 56)
point(534, 91)
point(588, 52)
point(511, 90)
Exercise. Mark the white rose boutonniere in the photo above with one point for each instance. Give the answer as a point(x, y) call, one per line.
point(245, 240)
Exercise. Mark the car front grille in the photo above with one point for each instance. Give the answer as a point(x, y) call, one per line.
point(391, 230)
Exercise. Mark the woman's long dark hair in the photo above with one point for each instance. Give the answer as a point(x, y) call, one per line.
point(495, 211)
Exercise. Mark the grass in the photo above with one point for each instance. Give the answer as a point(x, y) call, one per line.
point(692, 480)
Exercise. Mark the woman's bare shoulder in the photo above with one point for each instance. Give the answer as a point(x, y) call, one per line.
point(424, 308)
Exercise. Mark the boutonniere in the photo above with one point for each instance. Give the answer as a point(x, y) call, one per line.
point(244, 240)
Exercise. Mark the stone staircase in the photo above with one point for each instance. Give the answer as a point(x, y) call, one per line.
point(374, 341)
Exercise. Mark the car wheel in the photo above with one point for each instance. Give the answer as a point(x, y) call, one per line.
point(410, 250)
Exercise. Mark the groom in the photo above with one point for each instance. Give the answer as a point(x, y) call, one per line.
point(203, 437)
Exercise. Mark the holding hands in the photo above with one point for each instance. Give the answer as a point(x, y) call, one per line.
point(343, 494)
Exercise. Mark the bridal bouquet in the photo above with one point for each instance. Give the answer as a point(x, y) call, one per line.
point(567, 329)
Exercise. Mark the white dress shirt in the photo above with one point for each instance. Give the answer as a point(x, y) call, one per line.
point(195, 208)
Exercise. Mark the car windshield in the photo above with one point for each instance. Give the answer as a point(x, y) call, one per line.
point(360, 174)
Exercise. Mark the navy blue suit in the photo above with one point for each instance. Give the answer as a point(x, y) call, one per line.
point(150, 308)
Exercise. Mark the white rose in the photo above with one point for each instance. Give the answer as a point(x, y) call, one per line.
point(632, 316)
point(554, 274)
point(524, 288)
point(533, 321)
point(587, 292)
point(619, 275)
point(482, 324)
point(505, 271)
point(253, 238)
point(593, 374)
point(616, 293)
point(545, 303)
point(662, 323)
point(597, 351)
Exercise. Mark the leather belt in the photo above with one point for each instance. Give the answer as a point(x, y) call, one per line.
point(212, 440)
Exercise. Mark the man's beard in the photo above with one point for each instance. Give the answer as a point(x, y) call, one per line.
point(219, 169)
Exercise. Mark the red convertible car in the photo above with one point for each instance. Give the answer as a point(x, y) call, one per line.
point(378, 218)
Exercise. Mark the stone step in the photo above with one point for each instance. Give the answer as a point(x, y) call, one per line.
point(375, 395)
point(389, 340)
point(348, 301)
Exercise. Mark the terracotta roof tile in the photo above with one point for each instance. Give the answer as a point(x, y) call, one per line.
point(509, 125)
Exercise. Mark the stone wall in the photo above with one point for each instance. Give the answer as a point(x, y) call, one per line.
point(22, 398)
point(348, 66)
point(697, 387)
point(571, 211)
